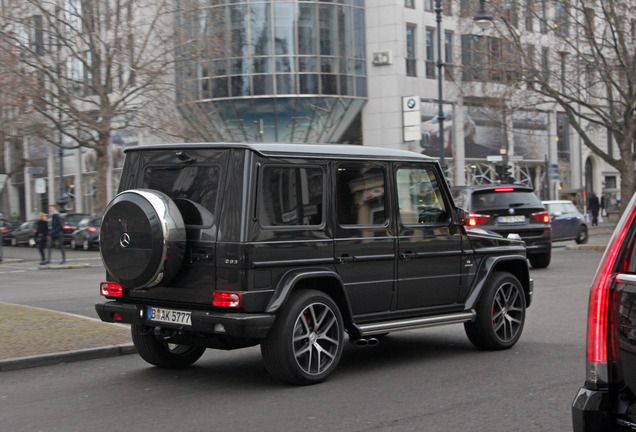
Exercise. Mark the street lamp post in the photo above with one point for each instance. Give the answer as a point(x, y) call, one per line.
point(483, 21)
point(440, 81)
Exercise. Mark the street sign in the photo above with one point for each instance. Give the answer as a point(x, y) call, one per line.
point(494, 158)
point(40, 186)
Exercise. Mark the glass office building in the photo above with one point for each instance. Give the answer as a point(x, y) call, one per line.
point(272, 71)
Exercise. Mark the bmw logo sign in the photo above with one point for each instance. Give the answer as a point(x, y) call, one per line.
point(410, 103)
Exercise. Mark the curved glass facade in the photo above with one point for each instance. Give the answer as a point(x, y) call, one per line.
point(273, 71)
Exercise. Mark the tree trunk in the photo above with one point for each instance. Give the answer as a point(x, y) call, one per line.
point(628, 184)
point(101, 177)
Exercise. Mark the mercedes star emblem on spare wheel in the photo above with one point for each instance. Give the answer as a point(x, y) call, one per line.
point(124, 240)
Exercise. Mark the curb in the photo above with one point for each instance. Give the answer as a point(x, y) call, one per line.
point(66, 357)
point(63, 266)
point(588, 247)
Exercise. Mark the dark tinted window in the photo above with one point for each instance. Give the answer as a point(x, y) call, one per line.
point(360, 194)
point(489, 200)
point(199, 184)
point(291, 196)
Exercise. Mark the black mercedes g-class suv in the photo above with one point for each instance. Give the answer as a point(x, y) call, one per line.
point(292, 246)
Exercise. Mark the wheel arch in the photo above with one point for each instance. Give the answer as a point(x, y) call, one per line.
point(322, 280)
point(516, 265)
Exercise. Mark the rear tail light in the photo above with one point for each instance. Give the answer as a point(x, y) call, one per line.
point(68, 227)
point(475, 219)
point(602, 343)
point(541, 217)
point(111, 289)
point(91, 229)
point(227, 299)
point(504, 189)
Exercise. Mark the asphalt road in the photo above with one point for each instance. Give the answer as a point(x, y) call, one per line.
point(424, 380)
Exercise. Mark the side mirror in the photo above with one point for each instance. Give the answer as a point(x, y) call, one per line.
point(461, 216)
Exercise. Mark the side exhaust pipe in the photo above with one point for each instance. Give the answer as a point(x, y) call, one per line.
point(365, 342)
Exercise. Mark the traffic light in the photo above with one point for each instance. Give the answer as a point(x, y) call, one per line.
point(509, 174)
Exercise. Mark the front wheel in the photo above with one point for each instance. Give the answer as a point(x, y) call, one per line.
point(501, 314)
point(305, 344)
point(163, 354)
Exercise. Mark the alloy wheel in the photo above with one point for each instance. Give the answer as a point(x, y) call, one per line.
point(507, 312)
point(316, 338)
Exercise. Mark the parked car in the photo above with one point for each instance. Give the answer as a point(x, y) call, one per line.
point(70, 221)
point(607, 399)
point(7, 230)
point(567, 222)
point(512, 211)
point(86, 235)
point(24, 234)
point(292, 247)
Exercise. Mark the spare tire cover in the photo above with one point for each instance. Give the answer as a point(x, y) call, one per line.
point(142, 239)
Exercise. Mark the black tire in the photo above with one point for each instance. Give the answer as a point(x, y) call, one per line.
point(305, 344)
point(163, 354)
point(501, 314)
point(540, 260)
point(581, 235)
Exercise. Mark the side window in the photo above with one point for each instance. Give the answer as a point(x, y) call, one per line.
point(419, 196)
point(291, 196)
point(360, 194)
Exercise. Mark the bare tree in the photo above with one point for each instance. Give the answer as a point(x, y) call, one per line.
point(581, 55)
point(92, 67)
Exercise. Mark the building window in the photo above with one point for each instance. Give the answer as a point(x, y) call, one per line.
point(410, 51)
point(563, 57)
point(429, 5)
point(529, 14)
point(510, 12)
point(472, 57)
point(430, 53)
point(409, 4)
point(543, 16)
point(448, 55)
point(563, 137)
point(561, 24)
point(545, 63)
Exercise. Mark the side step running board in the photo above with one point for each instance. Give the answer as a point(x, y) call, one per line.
point(414, 323)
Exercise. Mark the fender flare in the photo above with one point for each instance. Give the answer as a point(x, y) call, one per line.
point(291, 279)
point(485, 270)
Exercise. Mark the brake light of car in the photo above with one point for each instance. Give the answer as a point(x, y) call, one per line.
point(541, 216)
point(504, 189)
point(475, 219)
point(6, 230)
point(602, 346)
point(91, 229)
point(111, 289)
point(227, 299)
point(68, 227)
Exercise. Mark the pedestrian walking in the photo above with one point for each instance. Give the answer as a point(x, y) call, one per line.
point(56, 233)
point(42, 236)
point(593, 206)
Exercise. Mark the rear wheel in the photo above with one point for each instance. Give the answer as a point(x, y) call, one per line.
point(540, 260)
point(305, 344)
point(163, 354)
point(501, 314)
point(581, 235)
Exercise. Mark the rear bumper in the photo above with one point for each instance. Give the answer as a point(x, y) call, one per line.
point(592, 411)
point(241, 325)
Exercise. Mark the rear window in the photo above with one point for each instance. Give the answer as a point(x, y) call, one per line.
point(198, 184)
point(491, 200)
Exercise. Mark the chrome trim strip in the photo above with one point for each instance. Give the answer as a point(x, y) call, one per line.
point(626, 278)
point(414, 323)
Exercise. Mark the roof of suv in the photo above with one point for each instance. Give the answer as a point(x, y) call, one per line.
point(305, 150)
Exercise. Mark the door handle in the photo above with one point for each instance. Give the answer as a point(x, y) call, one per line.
point(344, 259)
point(407, 255)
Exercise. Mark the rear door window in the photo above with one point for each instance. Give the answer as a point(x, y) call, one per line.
point(291, 196)
point(360, 194)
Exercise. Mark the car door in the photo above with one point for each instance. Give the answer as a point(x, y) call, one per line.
point(364, 243)
point(558, 221)
point(429, 244)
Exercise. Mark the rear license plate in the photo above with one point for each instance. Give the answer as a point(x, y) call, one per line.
point(511, 219)
point(168, 316)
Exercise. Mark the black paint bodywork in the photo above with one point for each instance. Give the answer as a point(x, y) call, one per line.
point(378, 274)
